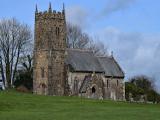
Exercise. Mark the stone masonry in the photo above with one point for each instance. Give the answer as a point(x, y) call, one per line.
point(49, 52)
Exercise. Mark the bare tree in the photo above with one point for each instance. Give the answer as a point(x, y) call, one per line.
point(14, 38)
point(76, 38)
point(24, 75)
point(97, 47)
point(26, 63)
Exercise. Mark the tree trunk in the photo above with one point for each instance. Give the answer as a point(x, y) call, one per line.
point(15, 67)
point(2, 72)
point(8, 75)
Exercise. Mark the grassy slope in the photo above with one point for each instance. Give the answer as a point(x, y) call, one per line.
point(19, 106)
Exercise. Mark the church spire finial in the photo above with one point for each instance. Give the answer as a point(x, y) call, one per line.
point(36, 9)
point(63, 9)
point(50, 7)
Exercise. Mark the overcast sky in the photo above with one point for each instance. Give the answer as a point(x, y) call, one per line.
point(129, 28)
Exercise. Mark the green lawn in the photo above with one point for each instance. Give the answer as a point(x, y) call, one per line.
point(19, 106)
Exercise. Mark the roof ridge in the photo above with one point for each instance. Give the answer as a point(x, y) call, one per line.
point(104, 56)
point(78, 49)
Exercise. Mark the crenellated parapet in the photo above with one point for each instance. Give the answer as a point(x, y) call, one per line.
point(50, 14)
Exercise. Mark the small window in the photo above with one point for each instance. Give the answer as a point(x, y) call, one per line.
point(42, 72)
point(75, 85)
point(57, 31)
point(107, 83)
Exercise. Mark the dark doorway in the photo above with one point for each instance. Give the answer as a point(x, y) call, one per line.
point(93, 90)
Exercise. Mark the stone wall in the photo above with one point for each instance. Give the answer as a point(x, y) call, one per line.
point(79, 77)
point(111, 88)
point(41, 65)
point(114, 88)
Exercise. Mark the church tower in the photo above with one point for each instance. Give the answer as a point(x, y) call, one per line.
point(49, 52)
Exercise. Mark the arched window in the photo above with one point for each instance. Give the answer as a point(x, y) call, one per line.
point(93, 90)
point(76, 86)
point(43, 85)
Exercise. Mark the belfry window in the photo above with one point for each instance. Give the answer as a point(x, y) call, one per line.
point(42, 72)
point(57, 31)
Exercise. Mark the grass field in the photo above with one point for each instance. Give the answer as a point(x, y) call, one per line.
point(20, 106)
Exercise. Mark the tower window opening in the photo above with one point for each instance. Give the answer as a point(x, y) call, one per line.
point(57, 30)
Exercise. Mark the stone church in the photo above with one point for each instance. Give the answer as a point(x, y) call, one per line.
point(62, 71)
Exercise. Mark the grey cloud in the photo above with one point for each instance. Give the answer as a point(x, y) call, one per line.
point(138, 53)
point(119, 38)
point(78, 16)
point(116, 5)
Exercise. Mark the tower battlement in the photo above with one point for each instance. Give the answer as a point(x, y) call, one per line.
point(50, 13)
point(46, 14)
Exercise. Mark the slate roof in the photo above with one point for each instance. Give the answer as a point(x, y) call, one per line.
point(111, 67)
point(85, 61)
point(82, 60)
